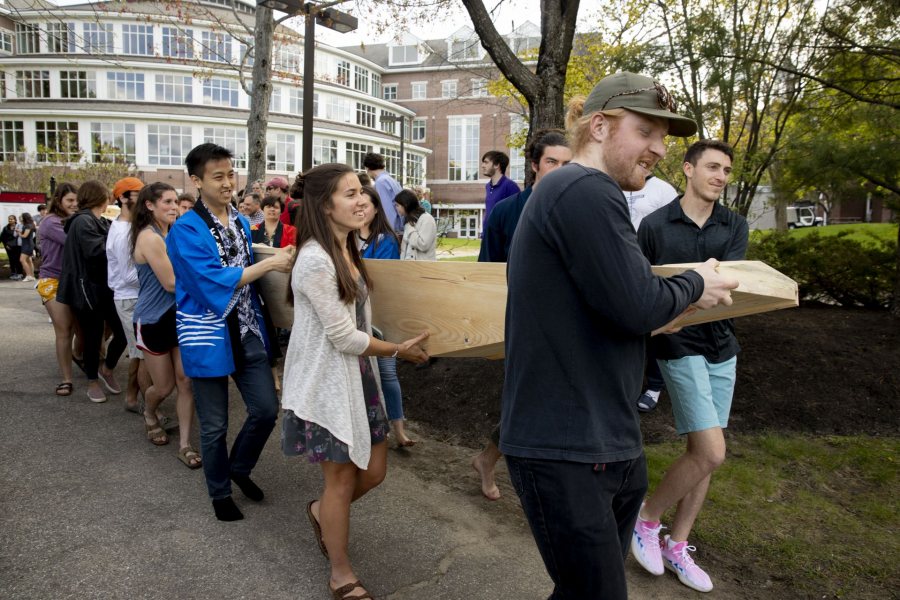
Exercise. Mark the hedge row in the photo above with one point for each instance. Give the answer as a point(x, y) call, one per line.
point(832, 268)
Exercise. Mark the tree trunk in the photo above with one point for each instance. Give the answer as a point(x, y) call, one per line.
point(895, 305)
point(261, 94)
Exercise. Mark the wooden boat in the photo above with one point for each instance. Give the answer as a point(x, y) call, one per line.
point(463, 304)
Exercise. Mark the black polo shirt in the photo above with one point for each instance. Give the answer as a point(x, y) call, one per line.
point(668, 236)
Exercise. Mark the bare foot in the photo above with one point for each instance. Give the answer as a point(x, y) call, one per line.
point(485, 469)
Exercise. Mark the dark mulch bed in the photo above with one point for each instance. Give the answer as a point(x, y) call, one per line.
point(814, 369)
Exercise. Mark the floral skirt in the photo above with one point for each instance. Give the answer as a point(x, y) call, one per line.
point(303, 437)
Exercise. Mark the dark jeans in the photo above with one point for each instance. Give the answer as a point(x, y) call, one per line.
point(254, 380)
point(15, 265)
point(655, 381)
point(92, 329)
point(581, 516)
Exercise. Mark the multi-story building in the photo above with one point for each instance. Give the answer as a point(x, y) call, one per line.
point(144, 82)
point(445, 82)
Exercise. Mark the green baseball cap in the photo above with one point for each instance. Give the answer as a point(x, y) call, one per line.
point(639, 94)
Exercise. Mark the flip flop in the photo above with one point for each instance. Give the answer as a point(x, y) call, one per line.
point(317, 529)
point(187, 455)
point(64, 389)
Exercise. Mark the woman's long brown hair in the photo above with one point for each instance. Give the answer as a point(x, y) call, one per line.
point(316, 187)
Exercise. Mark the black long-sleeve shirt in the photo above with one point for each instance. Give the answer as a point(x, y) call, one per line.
point(668, 236)
point(581, 300)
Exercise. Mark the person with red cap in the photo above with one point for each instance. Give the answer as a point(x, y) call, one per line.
point(123, 281)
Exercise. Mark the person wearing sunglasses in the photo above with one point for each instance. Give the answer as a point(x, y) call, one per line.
point(221, 330)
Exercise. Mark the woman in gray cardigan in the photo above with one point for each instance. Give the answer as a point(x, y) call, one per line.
point(334, 408)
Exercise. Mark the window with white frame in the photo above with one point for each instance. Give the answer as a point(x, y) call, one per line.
point(516, 170)
point(33, 84)
point(175, 88)
point(177, 43)
point(419, 90)
point(77, 84)
point(390, 91)
point(391, 161)
point(247, 56)
point(365, 115)
point(216, 46)
point(295, 101)
point(478, 87)
point(168, 144)
point(6, 44)
point(448, 88)
point(57, 141)
point(415, 169)
point(355, 154)
point(137, 40)
point(220, 92)
point(376, 85)
point(28, 38)
point(97, 38)
point(337, 108)
point(343, 72)
point(388, 126)
point(113, 142)
point(124, 86)
point(324, 151)
point(233, 138)
point(281, 149)
point(12, 139)
point(60, 38)
point(462, 146)
point(469, 49)
point(418, 129)
point(275, 100)
point(361, 79)
point(404, 55)
point(289, 59)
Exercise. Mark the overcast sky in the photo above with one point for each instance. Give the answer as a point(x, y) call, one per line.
point(510, 12)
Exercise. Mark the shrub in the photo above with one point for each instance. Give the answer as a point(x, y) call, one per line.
point(833, 269)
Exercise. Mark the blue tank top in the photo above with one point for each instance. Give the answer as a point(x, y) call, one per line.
point(153, 299)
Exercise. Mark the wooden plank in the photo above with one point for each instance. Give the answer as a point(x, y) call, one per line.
point(761, 289)
point(463, 304)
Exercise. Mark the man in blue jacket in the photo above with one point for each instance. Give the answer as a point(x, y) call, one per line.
point(220, 326)
point(581, 300)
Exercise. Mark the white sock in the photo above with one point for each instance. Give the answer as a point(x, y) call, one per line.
point(654, 394)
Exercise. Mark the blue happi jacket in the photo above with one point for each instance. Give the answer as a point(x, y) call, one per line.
point(203, 292)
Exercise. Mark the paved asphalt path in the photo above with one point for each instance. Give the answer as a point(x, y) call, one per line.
point(90, 509)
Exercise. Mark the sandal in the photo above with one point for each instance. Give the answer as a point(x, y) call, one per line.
point(341, 592)
point(64, 389)
point(156, 434)
point(317, 529)
point(190, 458)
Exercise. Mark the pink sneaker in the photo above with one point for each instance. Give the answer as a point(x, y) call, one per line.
point(678, 561)
point(645, 545)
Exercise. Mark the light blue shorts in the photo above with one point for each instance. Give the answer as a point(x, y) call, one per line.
point(700, 391)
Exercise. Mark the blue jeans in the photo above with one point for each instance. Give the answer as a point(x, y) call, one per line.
point(582, 516)
point(254, 380)
point(390, 386)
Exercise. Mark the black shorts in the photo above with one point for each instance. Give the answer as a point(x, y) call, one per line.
point(157, 338)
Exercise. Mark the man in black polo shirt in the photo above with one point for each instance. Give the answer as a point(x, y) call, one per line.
point(581, 300)
point(698, 363)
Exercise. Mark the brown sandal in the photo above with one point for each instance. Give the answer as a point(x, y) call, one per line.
point(317, 529)
point(156, 434)
point(190, 457)
point(341, 592)
point(64, 389)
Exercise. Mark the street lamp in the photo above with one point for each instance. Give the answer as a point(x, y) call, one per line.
point(327, 17)
point(393, 119)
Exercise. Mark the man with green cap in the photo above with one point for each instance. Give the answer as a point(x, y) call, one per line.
point(582, 299)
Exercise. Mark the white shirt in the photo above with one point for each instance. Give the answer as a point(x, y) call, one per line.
point(122, 276)
point(656, 194)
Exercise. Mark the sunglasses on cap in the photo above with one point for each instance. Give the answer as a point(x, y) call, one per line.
point(663, 96)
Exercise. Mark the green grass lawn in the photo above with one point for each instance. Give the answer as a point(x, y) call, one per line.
point(820, 512)
point(447, 243)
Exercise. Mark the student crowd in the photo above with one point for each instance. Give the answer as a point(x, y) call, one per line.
point(171, 280)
